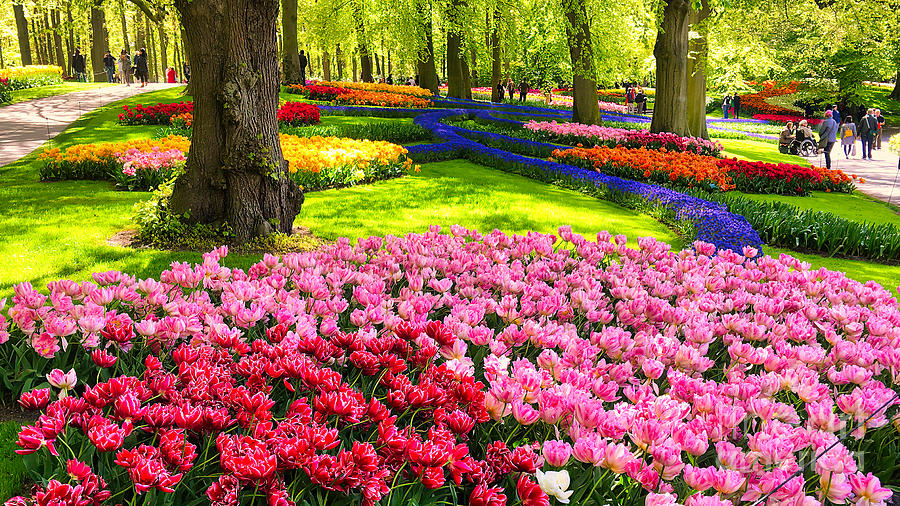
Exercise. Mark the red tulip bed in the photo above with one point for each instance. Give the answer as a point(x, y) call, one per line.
point(159, 114)
point(298, 113)
point(460, 368)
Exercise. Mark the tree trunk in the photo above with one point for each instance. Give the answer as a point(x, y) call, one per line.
point(457, 67)
point(152, 57)
point(36, 42)
point(141, 35)
point(428, 78)
point(123, 21)
point(698, 48)
point(354, 68)
point(895, 95)
point(365, 58)
point(390, 68)
point(290, 63)
point(57, 39)
point(585, 108)
point(163, 50)
point(70, 40)
point(495, 54)
point(48, 38)
point(99, 42)
point(339, 59)
point(22, 33)
point(377, 65)
point(235, 171)
point(326, 66)
point(670, 50)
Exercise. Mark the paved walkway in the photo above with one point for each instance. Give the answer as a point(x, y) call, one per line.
point(880, 173)
point(25, 126)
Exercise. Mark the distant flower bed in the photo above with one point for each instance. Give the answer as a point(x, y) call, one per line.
point(576, 133)
point(298, 113)
point(323, 162)
point(316, 92)
point(31, 76)
point(784, 118)
point(414, 91)
point(604, 106)
point(5, 89)
point(756, 102)
point(690, 170)
point(137, 165)
point(347, 96)
point(159, 114)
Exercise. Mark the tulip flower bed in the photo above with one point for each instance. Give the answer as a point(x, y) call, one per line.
point(316, 163)
point(688, 170)
point(159, 114)
point(576, 133)
point(30, 76)
point(139, 164)
point(298, 113)
point(756, 102)
point(382, 372)
point(316, 92)
point(5, 88)
point(398, 89)
point(381, 99)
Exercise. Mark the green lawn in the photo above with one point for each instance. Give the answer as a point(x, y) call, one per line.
point(51, 90)
point(463, 193)
point(887, 276)
point(359, 120)
point(756, 150)
point(854, 206)
point(12, 466)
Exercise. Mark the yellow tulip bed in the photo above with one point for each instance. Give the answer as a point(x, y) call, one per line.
point(313, 162)
point(18, 78)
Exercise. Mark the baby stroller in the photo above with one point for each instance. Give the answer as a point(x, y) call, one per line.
point(803, 145)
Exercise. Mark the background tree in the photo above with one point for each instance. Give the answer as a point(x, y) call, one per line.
point(290, 58)
point(584, 85)
point(671, 51)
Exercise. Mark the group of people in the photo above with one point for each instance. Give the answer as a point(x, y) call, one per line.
point(731, 106)
point(635, 99)
point(868, 131)
point(126, 69)
point(510, 89)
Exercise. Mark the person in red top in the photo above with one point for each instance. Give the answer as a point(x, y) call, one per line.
point(170, 75)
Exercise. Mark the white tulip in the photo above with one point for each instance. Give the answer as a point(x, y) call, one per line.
point(555, 483)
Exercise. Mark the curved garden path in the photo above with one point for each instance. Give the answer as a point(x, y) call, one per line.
point(25, 126)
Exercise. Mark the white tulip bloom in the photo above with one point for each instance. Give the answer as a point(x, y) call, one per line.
point(555, 483)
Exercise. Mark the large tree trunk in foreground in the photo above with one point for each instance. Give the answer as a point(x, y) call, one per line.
point(495, 55)
point(290, 63)
point(235, 171)
point(585, 108)
point(428, 78)
point(99, 42)
point(671, 51)
point(22, 33)
point(896, 93)
point(698, 48)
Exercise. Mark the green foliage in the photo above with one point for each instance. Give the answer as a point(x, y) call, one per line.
point(12, 466)
point(390, 132)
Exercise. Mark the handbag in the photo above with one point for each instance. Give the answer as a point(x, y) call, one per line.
point(853, 151)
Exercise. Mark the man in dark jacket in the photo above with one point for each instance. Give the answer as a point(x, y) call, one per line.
point(827, 137)
point(142, 70)
point(868, 126)
point(78, 66)
point(523, 90)
point(303, 64)
point(736, 105)
point(110, 63)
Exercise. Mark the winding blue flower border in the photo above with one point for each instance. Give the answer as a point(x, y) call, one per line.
point(715, 224)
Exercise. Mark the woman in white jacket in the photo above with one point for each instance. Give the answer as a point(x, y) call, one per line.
point(123, 68)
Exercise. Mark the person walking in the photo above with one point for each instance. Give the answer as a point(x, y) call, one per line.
point(640, 101)
point(726, 105)
point(110, 65)
point(736, 105)
point(304, 62)
point(123, 66)
point(835, 114)
point(142, 71)
point(868, 125)
point(848, 136)
point(827, 137)
point(78, 66)
point(186, 72)
point(509, 88)
point(523, 90)
point(878, 133)
point(499, 91)
point(171, 78)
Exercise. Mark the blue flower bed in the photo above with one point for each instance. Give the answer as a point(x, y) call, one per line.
point(714, 224)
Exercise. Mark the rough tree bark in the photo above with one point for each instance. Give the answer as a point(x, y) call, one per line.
point(57, 39)
point(99, 42)
point(235, 171)
point(585, 108)
point(671, 51)
point(326, 65)
point(428, 78)
point(22, 33)
point(290, 63)
point(49, 38)
point(698, 48)
point(495, 54)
